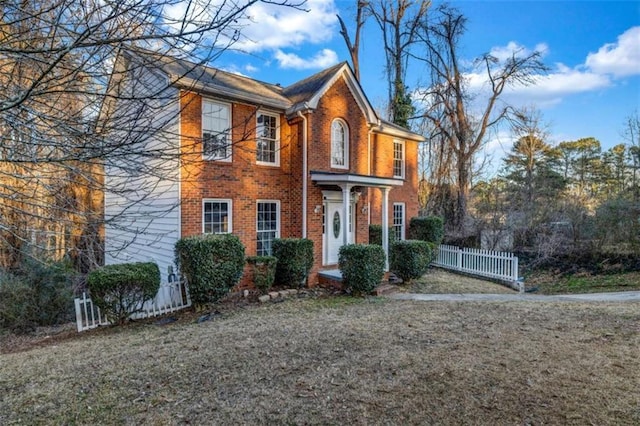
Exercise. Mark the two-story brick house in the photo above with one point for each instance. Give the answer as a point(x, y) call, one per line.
point(262, 161)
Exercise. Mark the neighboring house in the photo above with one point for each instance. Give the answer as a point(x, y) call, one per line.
point(261, 161)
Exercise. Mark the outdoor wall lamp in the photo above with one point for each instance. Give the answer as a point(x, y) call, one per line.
point(317, 209)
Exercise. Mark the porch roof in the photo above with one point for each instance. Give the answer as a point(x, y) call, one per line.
point(331, 178)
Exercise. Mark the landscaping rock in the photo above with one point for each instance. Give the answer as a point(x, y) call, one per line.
point(264, 298)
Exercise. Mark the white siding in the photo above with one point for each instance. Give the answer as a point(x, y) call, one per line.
point(142, 188)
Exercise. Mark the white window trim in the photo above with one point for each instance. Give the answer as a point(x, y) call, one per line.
point(346, 144)
point(278, 218)
point(404, 219)
point(228, 158)
point(219, 200)
point(277, 144)
point(402, 169)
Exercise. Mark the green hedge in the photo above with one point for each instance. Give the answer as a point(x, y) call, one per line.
point(410, 259)
point(121, 290)
point(362, 267)
point(211, 263)
point(428, 228)
point(375, 234)
point(295, 260)
point(36, 294)
point(264, 271)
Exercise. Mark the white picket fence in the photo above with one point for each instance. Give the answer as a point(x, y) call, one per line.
point(171, 297)
point(485, 263)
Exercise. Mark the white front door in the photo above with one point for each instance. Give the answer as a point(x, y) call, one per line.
point(333, 230)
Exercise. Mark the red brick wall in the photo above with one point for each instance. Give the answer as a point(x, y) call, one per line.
point(243, 181)
point(383, 166)
point(336, 103)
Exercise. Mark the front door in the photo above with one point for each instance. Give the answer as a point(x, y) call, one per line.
point(333, 230)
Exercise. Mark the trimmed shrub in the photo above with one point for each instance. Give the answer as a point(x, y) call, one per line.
point(428, 228)
point(121, 290)
point(17, 311)
point(375, 234)
point(36, 294)
point(362, 267)
point(264, 271)
point(410, 259)
point(295, 260)
point(212, 265)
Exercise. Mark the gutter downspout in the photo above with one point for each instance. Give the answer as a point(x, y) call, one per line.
point(304, 173)
point(369, 173)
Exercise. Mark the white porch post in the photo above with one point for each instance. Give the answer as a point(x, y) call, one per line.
point(385, 226)
point(346, 204)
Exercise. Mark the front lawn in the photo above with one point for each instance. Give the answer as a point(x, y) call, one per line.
point(440, 281)
point(341, 361)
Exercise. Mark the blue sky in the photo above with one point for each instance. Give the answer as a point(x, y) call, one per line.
point(592, 48)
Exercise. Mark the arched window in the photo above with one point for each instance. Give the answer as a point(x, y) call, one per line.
point(339, 144)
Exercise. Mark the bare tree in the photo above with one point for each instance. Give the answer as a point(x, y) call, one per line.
point(57, 118)
point(354, 46)
point(631, 133)
point(449, 112)
point(399, 21)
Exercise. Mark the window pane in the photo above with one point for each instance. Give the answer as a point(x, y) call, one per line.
point(267, 139)
point(338, 144)
point(267, 227)
point(216, 217)
point(398, 221)
point(215, 130)
point(398, 159)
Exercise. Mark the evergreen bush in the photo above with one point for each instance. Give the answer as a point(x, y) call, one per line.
point(212, 265)
point(375, 234)
point(427, 228)
point(36, 294)
point(121, 290)
point(264, 271)
point(410, 259)
point(362, 267)
point(295, 260)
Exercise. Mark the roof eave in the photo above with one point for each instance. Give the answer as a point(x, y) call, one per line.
point(216, 90)
point(397, 132)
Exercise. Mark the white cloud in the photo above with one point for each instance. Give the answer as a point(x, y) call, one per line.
point(251, 69)
point(621, 58)
point(503, 53)
point(597, 73)
point(274, 27)
point(323, 59)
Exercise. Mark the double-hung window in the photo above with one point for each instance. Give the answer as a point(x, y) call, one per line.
point(339, 144)
point(267, 226)
point(398, 221)
point(267, 139)
point(216, 130)
point(216, 216)
point(398, 159)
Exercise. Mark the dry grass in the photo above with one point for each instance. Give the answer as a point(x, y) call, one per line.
point(342, 361)
point(439, 281)
point(583, 282)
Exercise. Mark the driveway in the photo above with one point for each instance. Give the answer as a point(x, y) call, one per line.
point(624, 296)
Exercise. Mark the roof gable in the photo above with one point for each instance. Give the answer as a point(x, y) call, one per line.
point(306, 93)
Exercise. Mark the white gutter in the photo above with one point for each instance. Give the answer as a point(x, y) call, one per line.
point(304, 173)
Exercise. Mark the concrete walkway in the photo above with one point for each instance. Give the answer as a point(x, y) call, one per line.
point(624, 296)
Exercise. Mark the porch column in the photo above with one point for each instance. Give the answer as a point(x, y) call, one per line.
point(346, 204)
point(385, 226)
